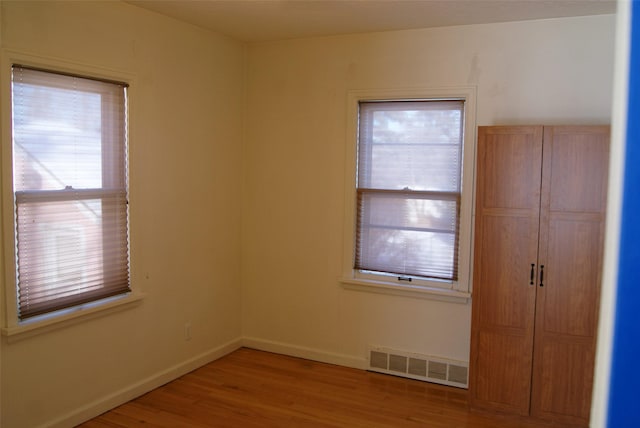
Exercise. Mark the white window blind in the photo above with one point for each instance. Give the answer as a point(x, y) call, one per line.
point(409, 188)
point(70, 185)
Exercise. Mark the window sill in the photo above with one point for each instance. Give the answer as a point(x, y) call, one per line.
point(404, 290)
point(71, 316)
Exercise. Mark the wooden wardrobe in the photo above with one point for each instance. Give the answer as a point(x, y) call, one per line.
point(539, 234)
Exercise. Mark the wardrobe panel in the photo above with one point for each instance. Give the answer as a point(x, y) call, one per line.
point(505, 252)
point(540, 203)
point(577, 170)
point(503, 372)
point(506, 266)
point(565, 379)
point(569, 299)
point(511, 174)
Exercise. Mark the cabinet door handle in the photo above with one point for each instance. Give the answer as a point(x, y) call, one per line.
point(533, 266)
point(541, 275)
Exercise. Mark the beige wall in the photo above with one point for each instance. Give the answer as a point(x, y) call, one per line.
point(537, 72)
point(243, 239)
point(185, 159)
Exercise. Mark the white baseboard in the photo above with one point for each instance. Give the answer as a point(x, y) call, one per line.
point(303, 352)
point(135, 390)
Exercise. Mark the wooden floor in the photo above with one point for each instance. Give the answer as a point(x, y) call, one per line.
point(251, 388)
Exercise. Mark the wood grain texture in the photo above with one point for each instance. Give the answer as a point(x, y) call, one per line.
point(572, 224)
point(506, 245)
point(251, 388)
point(541, 194)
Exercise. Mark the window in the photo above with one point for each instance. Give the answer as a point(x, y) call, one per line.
point(409, 159)
point(70, 189)
point(412, 195)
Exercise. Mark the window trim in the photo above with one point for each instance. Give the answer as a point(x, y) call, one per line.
point(11, 325)
point(457, 291)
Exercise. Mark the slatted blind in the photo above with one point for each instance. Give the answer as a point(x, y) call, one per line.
point(409, 187)
point(70, 185)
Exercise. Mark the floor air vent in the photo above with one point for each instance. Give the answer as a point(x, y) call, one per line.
point(421, 367)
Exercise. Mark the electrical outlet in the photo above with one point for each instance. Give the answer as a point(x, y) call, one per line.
point(187, 331)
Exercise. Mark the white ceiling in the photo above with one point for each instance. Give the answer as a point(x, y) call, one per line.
point(265, 20)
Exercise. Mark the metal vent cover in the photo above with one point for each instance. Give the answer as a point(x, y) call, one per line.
point(417, 366)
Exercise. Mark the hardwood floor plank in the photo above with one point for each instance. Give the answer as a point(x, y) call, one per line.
point(250, 388)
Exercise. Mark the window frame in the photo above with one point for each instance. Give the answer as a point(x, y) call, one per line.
point(454, 291)
point(12, 326)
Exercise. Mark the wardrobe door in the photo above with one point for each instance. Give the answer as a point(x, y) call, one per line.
point(506, 243)
point(572, 222)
